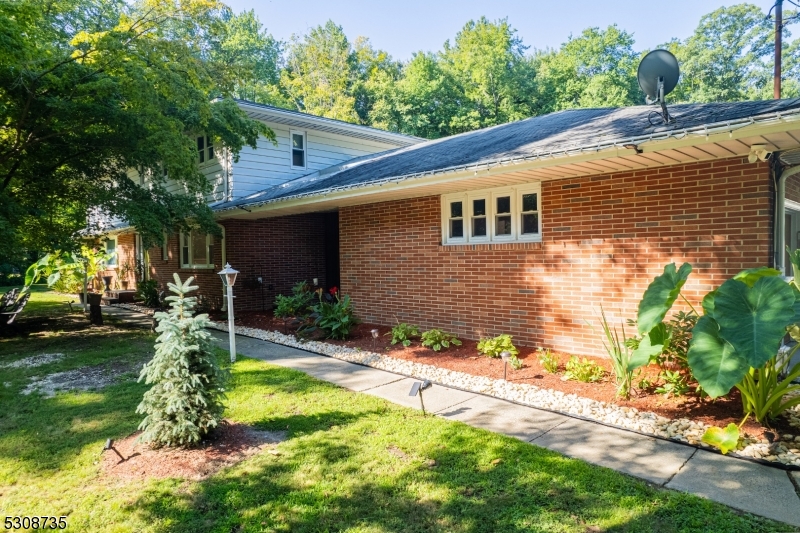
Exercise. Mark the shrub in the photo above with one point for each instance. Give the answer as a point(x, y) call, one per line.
point(147, 291)
point(624, 358)
point(334, 317)
point(185, 401)
point(437, 339)
point(493, 347)
point(548, 361)
point(583, 370)
point(295, 305)
point(403, 333)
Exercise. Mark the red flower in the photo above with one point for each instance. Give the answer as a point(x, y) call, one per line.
point(333, 291)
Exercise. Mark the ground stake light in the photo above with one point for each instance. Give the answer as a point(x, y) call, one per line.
point(228, 276)
point(374, 336)
point(417, 388)
point(505, 356)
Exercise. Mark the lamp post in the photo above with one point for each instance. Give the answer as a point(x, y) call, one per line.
point(228, 276)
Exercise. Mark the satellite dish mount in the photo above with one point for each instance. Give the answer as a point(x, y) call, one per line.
point(658, 75)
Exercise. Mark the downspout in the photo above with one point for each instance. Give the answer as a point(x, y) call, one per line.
point(779, 241)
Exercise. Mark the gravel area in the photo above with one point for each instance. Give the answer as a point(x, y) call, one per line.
point(34, 361)
point(786, 450)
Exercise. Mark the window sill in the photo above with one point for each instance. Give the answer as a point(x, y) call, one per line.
point(198, 267)
point(494, 245)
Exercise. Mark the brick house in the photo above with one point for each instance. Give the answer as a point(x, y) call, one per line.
point(525, 228)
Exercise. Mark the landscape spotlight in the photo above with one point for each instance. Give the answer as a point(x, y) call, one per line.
point(374, 336)
point(417, 388)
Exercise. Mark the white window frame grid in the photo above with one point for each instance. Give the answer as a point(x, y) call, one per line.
point(491, 196)
point(182, 241)
point(165, 247)
point(292, 133)
point(208, 152)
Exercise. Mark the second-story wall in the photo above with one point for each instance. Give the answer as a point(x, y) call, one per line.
point(270, 164)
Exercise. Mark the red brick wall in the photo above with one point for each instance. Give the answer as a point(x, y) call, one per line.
point(282, 251)
point(126, 253)
point(793, 188)
point(604, 239)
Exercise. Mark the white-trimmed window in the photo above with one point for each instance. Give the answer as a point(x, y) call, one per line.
point(197, 250)
point(507, 214)
point(110, 246)
point(205, 149)
point(297, 139)
point(165, 247)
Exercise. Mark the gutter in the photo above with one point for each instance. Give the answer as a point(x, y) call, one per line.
point(706, 130)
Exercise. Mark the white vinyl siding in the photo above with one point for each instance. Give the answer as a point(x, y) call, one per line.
point(507, 214)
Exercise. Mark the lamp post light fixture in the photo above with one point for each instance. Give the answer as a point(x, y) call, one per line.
point(228, 276)
point(374, 337)
point(505, 356)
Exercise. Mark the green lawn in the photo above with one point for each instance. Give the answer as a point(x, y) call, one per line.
point(334, 472)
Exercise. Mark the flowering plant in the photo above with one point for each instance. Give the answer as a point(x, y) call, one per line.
point(334, 317)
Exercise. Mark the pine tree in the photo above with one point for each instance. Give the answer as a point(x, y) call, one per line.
point(185, 401)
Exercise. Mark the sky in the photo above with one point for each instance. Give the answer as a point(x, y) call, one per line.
point(402, 27)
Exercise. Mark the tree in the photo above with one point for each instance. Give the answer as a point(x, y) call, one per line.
point(185, 401)
point(597, 69)
point(494, 78)
point(92, 88)
point(730, 57)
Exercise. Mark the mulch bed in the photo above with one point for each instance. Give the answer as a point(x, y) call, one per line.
point(228, 445)
point(467, 359)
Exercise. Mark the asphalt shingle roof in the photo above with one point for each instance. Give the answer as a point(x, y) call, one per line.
point(563, 131)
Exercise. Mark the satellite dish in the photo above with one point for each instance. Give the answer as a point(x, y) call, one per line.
point(658, 75)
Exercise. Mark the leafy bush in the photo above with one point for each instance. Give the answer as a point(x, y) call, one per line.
point(548, 361)
point(437, 339)
point(185, 401)
point(624, 359)
point(295, 305)
point(65, 272)
point(147, 291)
point(583, 370)
point(493, 347)
point(515, 362)
point(674, 383)
point(403, 333)
point(334, 317)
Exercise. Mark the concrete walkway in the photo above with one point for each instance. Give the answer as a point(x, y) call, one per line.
point(743, 485)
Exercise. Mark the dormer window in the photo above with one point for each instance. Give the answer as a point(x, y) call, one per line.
point(298, 149)
point(205, 149)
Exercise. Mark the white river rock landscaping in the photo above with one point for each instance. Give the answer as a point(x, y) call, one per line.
point(786, 451)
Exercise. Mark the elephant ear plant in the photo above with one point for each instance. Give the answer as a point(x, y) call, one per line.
point(736, 342)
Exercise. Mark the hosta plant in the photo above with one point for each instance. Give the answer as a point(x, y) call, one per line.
point(403, 333)
point(494, 346)
point(335, 316)
point(437, 339)
point(583, 370)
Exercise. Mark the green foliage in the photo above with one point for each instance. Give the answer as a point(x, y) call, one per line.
point(295, 305)
point(93, 88)
point(583, 370)
point(334, 317)
point(515, 362)
point(674, 383)
point(723, 439)
point(185, 400)
point(493, 347)
point(147, 291)
point(437, 339)
point(548, 361)
point(403, 333)
point(660, 295)
point(66, 272)
point(763, 389)
point(624, 359)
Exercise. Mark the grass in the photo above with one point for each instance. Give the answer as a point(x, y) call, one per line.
point(338, 470)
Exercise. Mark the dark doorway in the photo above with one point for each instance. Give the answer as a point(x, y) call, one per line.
point(331, 221)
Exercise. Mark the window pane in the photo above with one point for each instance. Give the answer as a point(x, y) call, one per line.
point(210, 255)
point(185, 249)
point(479, 227)
point(455, 210)
point(529, 202)
point(456, 229)
point(503, 225)
point(201, 148)
point(298, 158)
point(478, 208)
point(504, 204)
point(297, 141)
point(210, 150)
point(198, 248)
point(111, 248)
point(530, 224)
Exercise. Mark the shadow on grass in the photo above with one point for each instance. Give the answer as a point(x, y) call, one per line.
point(347, 478)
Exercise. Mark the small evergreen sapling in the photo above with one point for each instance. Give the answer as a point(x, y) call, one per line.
point(185, 401)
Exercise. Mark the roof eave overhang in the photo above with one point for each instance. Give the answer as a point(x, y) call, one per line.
point(653, 144)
